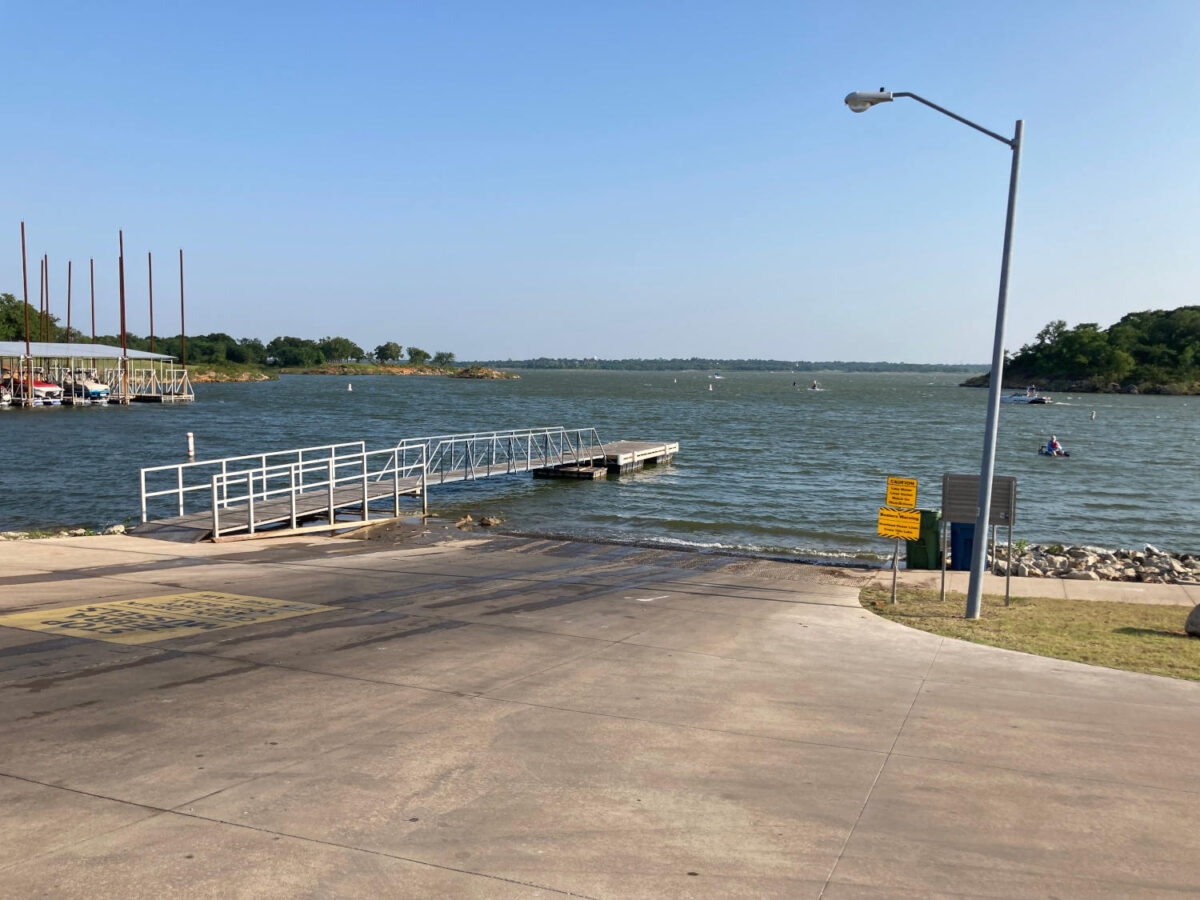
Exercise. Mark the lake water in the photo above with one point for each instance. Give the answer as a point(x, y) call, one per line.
point(762, 466)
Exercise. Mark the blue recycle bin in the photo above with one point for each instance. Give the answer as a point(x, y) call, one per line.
point(962, 544)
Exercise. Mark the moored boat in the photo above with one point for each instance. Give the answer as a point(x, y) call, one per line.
point(90, 390)
point(43, 394)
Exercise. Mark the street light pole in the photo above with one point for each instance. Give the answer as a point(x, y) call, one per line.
point(988, 467)
point(860, 101)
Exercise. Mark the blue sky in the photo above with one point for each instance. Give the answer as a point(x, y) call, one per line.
point(619, 179)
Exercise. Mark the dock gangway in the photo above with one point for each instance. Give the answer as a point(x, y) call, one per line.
point(284, 491)
point(485, 454)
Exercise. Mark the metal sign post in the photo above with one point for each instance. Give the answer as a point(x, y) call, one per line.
point(898, 519)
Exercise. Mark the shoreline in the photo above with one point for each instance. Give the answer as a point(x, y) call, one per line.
point(1079, 562)
point(1086, 386)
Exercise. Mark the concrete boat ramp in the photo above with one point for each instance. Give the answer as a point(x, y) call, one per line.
point(514, 718)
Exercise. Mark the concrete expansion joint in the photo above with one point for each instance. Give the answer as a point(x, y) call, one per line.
point(882, 765)
point(183, 813)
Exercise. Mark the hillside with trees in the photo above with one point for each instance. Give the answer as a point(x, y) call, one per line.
point(1155, 352)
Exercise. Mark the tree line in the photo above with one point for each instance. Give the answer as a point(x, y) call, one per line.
point(1153, 347)
point(218, 347)
point(731, 365)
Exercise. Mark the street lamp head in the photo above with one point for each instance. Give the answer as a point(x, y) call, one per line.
point(861, 101)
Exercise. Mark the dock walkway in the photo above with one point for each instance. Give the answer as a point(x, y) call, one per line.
point(341, 485)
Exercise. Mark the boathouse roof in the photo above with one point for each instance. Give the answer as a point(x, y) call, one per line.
point(46, 350)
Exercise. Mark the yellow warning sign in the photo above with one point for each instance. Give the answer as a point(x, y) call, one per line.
point(159, 618)
point(901, 492)
point(900, 523)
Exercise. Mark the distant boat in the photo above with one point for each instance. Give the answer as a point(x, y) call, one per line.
point(815, 386)
point(718, 375)
point(1031, 396)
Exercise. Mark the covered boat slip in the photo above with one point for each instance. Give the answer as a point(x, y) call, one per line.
point(92, 373)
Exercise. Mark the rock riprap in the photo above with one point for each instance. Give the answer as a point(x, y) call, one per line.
point(1151, 566)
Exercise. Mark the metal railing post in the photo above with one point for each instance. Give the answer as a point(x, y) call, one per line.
point(365, 514)
point(292, 473)
point(142, 479)
point(215, 506)
point(396, 483)
point(332, 514)
point(250, 499)
point(179, 485)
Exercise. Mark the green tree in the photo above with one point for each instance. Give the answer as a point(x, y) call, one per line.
point(339, 348)
point(1051, 333)
point(12, 323)
point(417, 356)
point(443, 358)
point(389, 352)
point(294, 351)
point(12, 318)
point(253, 350)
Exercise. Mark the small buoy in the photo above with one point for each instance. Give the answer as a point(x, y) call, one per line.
point(1093, 415)
point(349, 387)
point(191, 446)
point(710, 387)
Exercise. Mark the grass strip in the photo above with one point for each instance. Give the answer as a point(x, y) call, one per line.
point(1137, 637)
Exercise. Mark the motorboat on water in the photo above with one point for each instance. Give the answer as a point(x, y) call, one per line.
point(5, 396)
point(1030, 396)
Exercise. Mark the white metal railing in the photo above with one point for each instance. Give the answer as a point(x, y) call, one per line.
point(481, 454)
point(248, 497)
point(192, 478)
point(176, 384)
point(237, 488)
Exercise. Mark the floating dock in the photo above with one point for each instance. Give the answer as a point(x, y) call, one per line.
point(616, 459)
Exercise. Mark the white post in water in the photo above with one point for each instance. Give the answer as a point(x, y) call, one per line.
point(191, 446)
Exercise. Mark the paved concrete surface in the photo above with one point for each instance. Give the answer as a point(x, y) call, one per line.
point(518, 718)
point(1054, 588)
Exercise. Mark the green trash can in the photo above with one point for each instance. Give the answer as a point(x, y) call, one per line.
point(925, 551)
